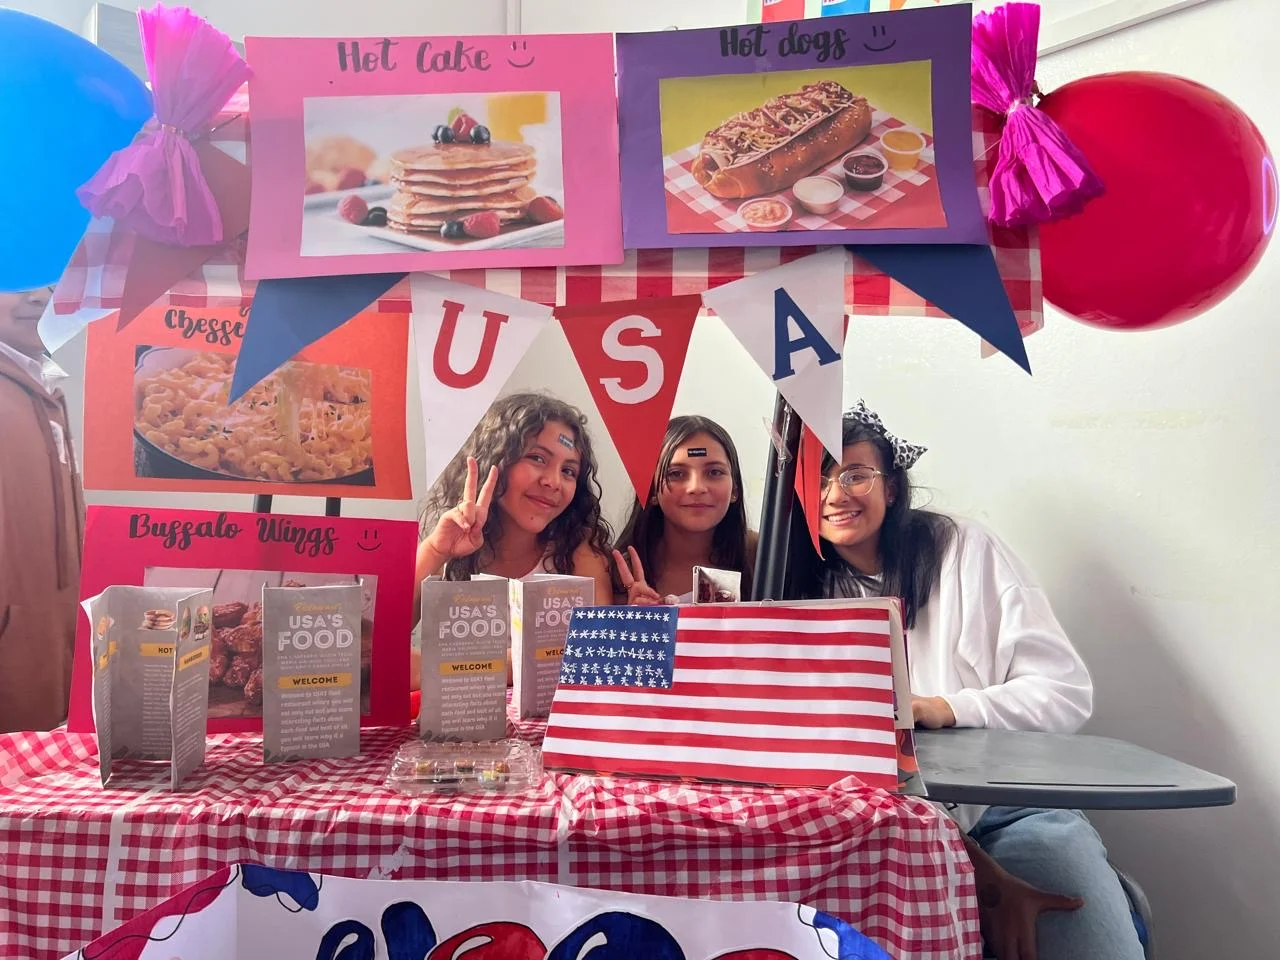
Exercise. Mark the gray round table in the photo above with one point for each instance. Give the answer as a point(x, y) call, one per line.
point(1077, 771)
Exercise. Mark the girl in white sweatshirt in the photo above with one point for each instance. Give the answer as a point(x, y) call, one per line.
point(985, 650)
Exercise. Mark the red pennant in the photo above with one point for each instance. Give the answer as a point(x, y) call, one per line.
point(155, 268)
point(809, 476)
point(632, 354)
point(809, 483)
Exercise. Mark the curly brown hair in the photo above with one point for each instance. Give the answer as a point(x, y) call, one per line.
point(501, 438)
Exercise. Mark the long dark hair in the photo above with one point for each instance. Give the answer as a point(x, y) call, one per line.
point(912, 541)
point(500, 439)
point(644, 529)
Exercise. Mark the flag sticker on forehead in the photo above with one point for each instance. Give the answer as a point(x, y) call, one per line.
point(787, 695)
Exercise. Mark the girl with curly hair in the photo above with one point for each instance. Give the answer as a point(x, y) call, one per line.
point(538, 510)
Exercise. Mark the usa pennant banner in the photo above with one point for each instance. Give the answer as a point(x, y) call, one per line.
point(467, 341)
point(795, 695)
point(632, 354)
point(791, 320)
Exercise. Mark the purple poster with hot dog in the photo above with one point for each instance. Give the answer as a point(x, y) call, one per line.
point(857, 128)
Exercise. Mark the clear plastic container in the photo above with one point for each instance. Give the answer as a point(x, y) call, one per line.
point(503, 766)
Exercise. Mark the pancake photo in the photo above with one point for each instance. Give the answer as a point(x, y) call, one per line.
point(433, 172)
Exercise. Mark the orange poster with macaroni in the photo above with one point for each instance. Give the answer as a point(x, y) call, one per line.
point(329, 423)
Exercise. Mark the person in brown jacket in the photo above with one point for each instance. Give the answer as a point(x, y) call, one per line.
point(41, 526)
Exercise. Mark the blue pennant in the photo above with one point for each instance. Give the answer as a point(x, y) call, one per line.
point(289, 315)
point(960, 279)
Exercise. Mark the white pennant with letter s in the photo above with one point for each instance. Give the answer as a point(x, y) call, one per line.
point(791, 320)
point(468, 342)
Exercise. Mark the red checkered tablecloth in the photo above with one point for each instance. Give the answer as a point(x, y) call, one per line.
point(95, 277)
point(854, 208)
point(79, 860)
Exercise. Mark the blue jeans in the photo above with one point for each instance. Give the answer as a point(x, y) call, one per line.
point(1058, 851)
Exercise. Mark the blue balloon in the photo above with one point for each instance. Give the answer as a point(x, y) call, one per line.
point(852, 944)
point(65, 107)
point(269, 882)
point(408, 931)
point(621, 936)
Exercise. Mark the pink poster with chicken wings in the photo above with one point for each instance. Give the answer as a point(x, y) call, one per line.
point(236, 555)
point(389, 154)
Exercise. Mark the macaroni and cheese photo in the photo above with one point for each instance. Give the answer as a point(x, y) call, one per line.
point(306, 423)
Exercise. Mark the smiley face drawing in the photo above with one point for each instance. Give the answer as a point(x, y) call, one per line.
point(520, 49)
point(879, 36)
point(369, 541)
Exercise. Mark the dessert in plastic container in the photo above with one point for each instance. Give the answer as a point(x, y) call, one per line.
point(503, 766)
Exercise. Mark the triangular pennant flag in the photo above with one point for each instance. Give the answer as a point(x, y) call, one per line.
point(791, 319)
point(289, 315)
point(155, 268)
point(809, 483)
point(809, 473)
point(961, 280)
point(632, 354)
point(468, 341)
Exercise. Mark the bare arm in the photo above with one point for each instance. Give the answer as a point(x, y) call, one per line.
point(588, 563)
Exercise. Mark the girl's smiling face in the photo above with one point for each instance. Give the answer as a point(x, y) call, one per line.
point(697, 489)
point(851, 520)
point(540, 485)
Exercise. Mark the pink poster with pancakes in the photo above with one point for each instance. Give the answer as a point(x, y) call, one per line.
point(389, 154)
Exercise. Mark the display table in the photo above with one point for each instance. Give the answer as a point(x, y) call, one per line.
point(79, 859)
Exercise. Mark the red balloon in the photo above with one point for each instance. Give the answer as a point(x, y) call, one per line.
point(499, 940)
point(1191, 196)
point(761, 953)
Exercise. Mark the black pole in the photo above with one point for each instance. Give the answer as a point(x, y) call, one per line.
point(262, 503)
point(333, 506)
point(779, 501)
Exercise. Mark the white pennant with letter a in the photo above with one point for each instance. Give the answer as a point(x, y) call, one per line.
point(791, 320)
point(467, 341)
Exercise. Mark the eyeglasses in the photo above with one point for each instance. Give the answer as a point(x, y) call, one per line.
point(856, 481)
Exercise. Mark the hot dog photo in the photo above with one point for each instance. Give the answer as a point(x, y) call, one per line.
point(855, 127)
point(826, 149)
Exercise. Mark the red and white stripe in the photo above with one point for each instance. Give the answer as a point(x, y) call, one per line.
point(788, 696)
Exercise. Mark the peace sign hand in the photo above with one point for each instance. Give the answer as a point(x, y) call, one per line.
point(460, 531)
point(639, 593)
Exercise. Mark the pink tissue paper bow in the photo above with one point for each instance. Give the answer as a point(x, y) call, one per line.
point(1039, 174)
point(155, 186)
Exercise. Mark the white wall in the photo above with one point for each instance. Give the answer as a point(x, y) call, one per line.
point(310, 18)
point(1138, 474)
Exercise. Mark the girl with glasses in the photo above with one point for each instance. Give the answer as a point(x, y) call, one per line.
point(985, 650)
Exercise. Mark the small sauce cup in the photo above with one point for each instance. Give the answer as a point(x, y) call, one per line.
point(818, 194)
point(864, 170)
point(902, 148)
point(765, 213)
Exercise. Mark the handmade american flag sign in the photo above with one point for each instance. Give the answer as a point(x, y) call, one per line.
point(791, 695)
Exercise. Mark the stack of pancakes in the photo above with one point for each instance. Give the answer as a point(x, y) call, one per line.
point(451, 181)
point(158, 620)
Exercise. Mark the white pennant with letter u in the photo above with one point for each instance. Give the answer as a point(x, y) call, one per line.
point(791, 320)
point(467, 341)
